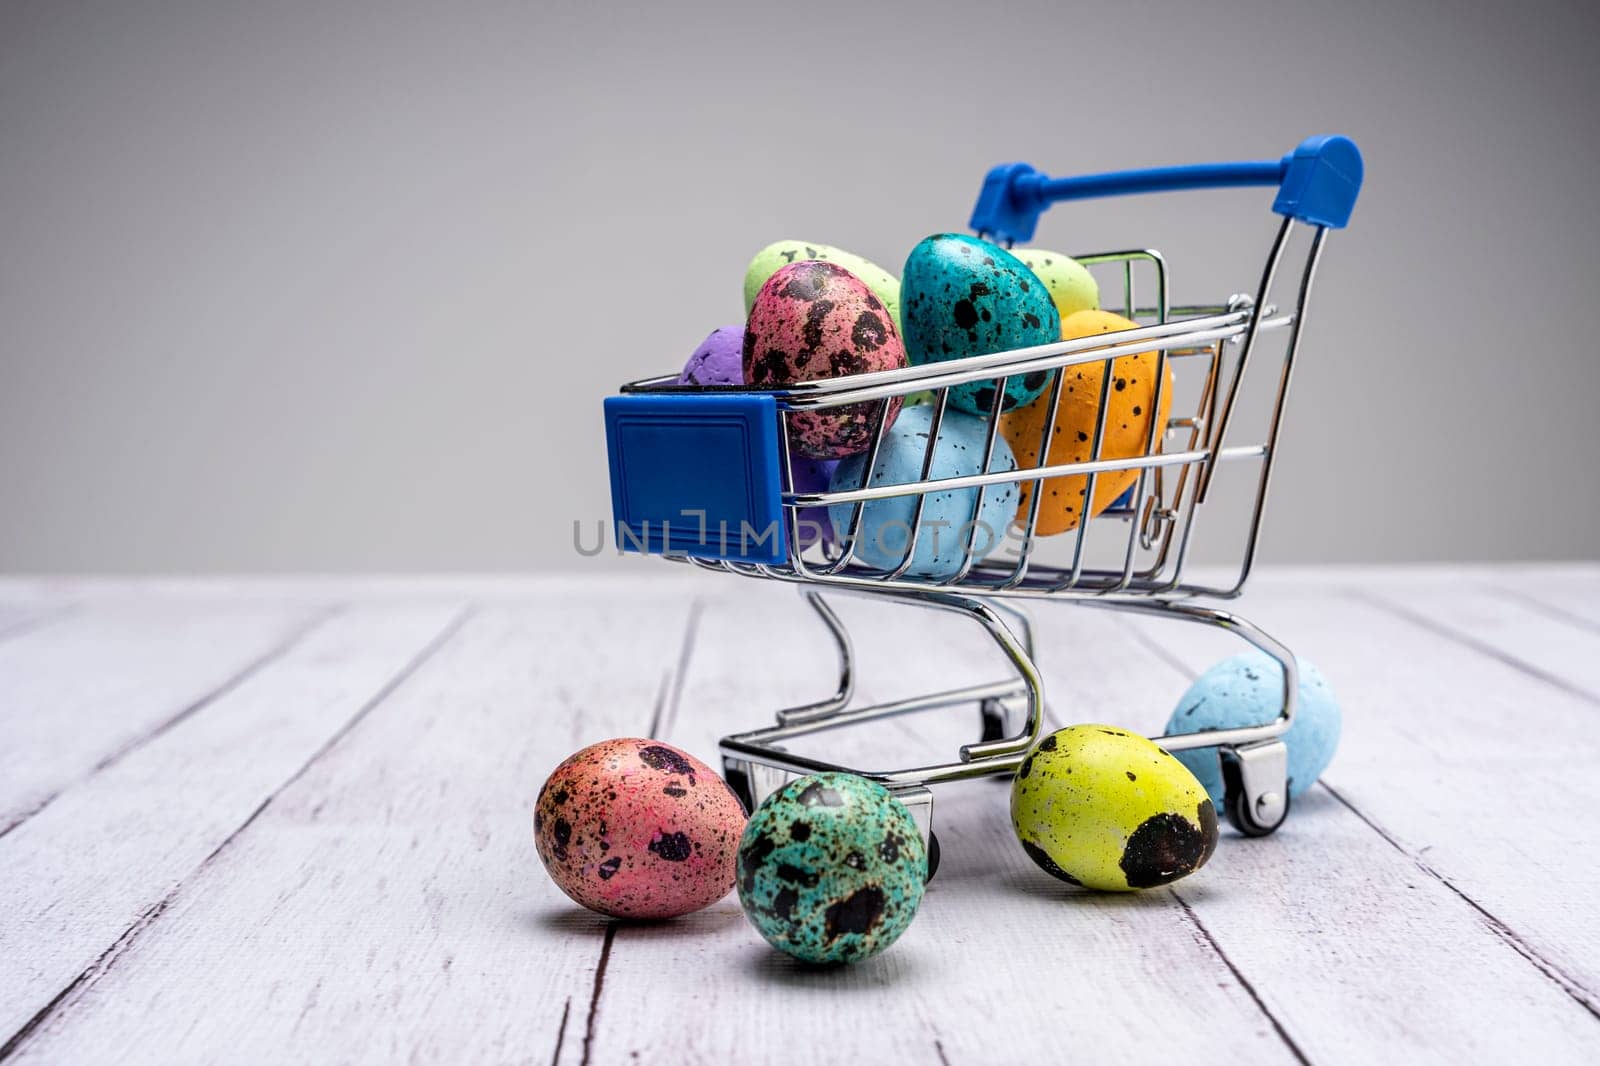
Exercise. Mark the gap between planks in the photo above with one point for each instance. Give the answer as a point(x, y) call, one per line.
point(108, 959)
point(1202, 933)
point(39, 620)
point(273, 654)
point(662, 717)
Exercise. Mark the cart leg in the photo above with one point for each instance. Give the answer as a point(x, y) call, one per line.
point(1003, 716)
point(756, 763)
point(1255, 763)
point(811, 712)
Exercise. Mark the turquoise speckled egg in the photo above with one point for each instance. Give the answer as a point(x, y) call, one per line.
point(1247, 689)
point(831, 868)
point(961, 297)
point(948, 518)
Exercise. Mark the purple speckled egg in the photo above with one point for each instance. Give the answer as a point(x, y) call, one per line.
point(718, 361)
point(636, 828)
point(814, 320)
point(813, 475)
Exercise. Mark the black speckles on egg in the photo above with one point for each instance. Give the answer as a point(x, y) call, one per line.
point(1164, 848)
point(964, 297)
point(813, 320)
point(623, 829)
point(856, 913)
point(795, 875)
point(660, 757)
point(752, 853)
point(673, 847)
point(818, 794)
point(814, 878)
point(1047, 864)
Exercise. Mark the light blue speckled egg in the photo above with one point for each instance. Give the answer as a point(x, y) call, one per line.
point(831, 868)
point(1247, 689)
point(961, 297)
point(948, 516)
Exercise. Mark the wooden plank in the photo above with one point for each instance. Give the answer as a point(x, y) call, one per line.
point(1549, 645)
point(1568, 596)
point(1268, 954)
point(1000, 956)
point(77, 695)
point(19, 619)
point(1472, 769)
point(388, 904)
point(93, 864)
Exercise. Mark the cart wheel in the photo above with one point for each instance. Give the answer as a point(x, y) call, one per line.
point(933, 854)
point(1240, 809)
point(994, 721)
point(1001, 717)
point(739, 783)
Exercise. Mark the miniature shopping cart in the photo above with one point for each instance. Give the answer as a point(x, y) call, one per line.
point(702, 474)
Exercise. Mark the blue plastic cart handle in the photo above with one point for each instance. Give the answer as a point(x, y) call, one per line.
point(1317, 184)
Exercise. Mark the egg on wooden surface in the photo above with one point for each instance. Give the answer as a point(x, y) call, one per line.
point(831, 868)
point(1129, 410)
point(948, 516)
point(718, 361)
point(780, 254)
point(1247, 689)
point(1072, 288)
point(635, 828)
point(814, 320)
point(1107, 809)
point(962, 297)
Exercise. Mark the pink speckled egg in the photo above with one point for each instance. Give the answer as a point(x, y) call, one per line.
point(638, 829)
point(718, 361)
point(814, 320)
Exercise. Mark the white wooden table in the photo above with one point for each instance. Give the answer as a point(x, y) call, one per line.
point(289, 820)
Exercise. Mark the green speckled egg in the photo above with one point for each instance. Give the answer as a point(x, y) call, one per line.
point(962, 297)
point(1072, 288)
point(831, 868)
point(1101, 807)
point(884, 285)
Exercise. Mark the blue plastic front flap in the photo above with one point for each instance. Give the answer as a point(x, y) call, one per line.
point(697, 474)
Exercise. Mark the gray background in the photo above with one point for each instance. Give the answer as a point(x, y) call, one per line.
point(340, 285)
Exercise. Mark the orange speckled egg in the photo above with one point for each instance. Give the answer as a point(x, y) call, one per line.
point(636, 828)
point(1127, 431)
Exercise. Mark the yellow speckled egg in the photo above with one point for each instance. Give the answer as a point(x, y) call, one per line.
point(1127, 432)
point(1068, 281)
point(1101, 807)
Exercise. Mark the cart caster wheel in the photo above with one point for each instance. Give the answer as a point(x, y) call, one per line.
point(739, 784)
point(994, 723)
point(1001, 718)
point(933, 855)
point(1255, 814)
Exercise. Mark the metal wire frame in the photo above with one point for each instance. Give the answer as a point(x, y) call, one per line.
point(1170, 482)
